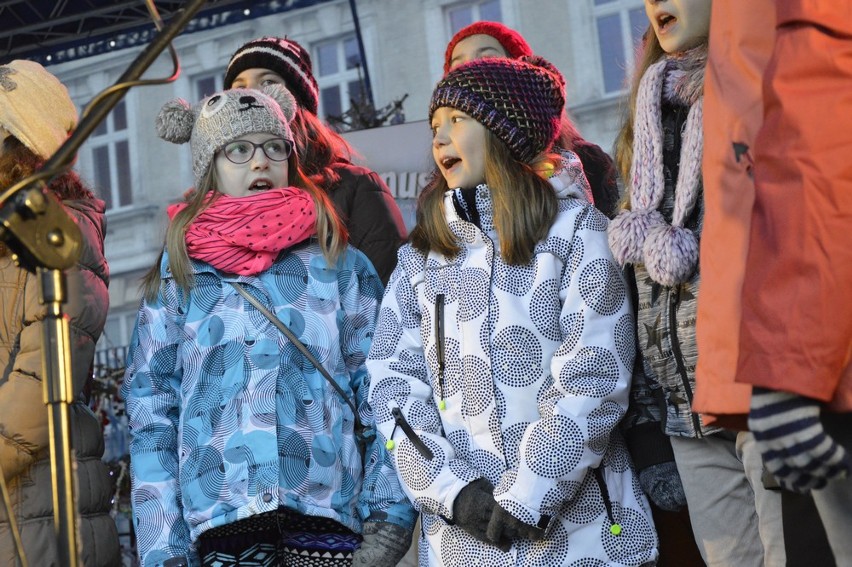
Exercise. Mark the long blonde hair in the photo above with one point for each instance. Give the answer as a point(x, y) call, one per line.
point(523, 201)
point(649, 53)
point(331, 232)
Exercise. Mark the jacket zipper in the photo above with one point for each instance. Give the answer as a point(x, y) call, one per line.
point(614, 527)
point(439, 348)
point(415, 439)
point(674, 293)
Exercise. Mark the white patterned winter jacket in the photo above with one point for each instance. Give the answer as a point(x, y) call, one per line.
point(532, 365)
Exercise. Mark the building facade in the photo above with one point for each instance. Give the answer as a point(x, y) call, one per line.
point(591, 41)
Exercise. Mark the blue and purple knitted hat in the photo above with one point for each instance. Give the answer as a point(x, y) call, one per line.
point(519, 100)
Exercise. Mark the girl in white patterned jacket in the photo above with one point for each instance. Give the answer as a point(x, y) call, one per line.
point(502, 358)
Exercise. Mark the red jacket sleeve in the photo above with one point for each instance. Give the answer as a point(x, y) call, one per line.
point(797, 314)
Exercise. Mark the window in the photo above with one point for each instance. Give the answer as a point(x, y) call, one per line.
point(111, 159)
point(339, 75)
point(206, 86)
point(620, 25)
point(461, 15)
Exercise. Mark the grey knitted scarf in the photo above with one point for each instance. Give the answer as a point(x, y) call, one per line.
point(642, 235)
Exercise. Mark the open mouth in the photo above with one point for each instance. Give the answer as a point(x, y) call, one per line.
point(665, 21)
point(448, 162)
point(260, 185)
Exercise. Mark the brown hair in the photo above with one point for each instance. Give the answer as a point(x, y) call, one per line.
point(648, 54)
point(524, 206)
point(319, 148)
point(331, 232)
point(18, 162)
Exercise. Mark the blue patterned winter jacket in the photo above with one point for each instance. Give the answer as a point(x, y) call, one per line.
point(228, 419)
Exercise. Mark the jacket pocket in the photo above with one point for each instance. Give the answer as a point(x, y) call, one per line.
point(400, 421)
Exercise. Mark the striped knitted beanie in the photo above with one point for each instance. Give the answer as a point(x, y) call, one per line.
point(519, 100)
point(284, 57)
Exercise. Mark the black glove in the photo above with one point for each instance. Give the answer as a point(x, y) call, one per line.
point(661, 482)
point(472, 508)
point(384, 545)
point(504, 527)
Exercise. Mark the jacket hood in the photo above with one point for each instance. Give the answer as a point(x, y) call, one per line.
point(569, 180)
point(89, 214)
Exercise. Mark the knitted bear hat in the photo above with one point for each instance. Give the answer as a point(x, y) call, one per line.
point(520, 100)
point(222, 118)
point(35, 107)
point(284, 57)
point(513, 42)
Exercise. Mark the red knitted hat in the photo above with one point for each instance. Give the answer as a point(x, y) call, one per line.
point(513, 42)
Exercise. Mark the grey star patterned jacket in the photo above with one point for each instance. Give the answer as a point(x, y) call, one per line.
point(532, 366)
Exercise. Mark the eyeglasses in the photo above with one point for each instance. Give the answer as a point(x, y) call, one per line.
point(242, 151)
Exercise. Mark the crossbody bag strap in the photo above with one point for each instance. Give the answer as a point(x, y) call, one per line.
point(299, 345)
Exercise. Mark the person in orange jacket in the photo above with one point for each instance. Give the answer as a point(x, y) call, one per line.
point(775, 262)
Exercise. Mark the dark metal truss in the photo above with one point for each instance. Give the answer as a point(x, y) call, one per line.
point(54, 31)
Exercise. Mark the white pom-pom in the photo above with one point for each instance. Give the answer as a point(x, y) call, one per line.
point(175, 121)
point(627, 233)
point(671, 254)
point(284, 98)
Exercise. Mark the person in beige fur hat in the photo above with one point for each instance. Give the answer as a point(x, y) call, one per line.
point(36, 117)
point(35, 107)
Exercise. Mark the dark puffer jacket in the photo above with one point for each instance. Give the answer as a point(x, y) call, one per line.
point(24, 433)
point(370, 214)
point(600, 172)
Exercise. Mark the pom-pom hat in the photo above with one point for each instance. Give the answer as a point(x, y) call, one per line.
point(513, 42)
point(224, 117)
point(520, 101)
point(282, 56)
point(35, 107)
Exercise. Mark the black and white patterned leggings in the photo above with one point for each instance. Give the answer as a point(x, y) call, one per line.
point(277, 539)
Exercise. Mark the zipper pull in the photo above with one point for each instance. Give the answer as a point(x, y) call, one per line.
point(412, 436)
point(390, 443)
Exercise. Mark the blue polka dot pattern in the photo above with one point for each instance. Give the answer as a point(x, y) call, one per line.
point(535, 381)
point(515, 280)
point(545, 308)
point(625, 341)
point(517, 357)
point(592, 372)
point(546, 453)
point(602, 287)
point(475, 284)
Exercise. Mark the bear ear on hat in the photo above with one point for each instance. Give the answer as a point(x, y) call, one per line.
point(284, 98)
point(175, 121)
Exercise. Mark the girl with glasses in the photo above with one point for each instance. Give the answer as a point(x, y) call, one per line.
point(246, 451)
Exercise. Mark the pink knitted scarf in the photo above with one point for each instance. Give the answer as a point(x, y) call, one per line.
point(244, 235)
point(641, 235)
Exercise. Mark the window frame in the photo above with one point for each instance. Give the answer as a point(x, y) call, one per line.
point(475, 16)
point(629, 41)
point(343, 77)
point(120, 173)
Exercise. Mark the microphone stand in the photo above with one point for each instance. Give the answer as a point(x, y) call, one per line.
point(45, 240)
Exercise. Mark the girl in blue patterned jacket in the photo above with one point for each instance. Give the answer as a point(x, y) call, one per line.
point(502, 358)
point(243, 452)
